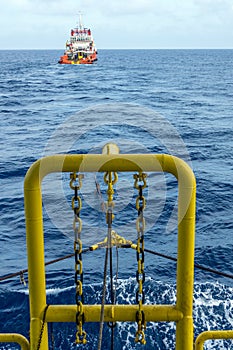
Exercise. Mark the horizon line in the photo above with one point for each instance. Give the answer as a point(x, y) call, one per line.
point(159, 48)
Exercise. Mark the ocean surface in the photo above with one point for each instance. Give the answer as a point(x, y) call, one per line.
point(145, 101)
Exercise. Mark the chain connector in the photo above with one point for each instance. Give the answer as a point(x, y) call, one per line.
point(81, 337)
point(140, 178)
point(74, 179)
point(108, 177)
point(140, 337)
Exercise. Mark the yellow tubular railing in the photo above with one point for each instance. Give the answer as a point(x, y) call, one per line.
point(208, 335)
point(181, 313)
point(15, 338)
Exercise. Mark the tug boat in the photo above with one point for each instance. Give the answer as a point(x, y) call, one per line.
point(80, 48)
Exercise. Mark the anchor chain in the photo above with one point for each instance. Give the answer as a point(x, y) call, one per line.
point(76, 184)
point(140, 184)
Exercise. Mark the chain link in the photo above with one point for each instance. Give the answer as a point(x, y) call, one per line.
point(76, 184)
point(140, 184)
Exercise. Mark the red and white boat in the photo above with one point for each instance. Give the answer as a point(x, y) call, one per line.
point(80, 48)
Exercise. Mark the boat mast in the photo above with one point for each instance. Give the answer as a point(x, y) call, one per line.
point(80, 25)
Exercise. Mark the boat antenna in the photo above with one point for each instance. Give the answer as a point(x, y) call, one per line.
point(80, 20)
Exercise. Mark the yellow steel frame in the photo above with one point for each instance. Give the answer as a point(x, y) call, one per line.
point(15, 338)
point(208, 335)
point(181, 312)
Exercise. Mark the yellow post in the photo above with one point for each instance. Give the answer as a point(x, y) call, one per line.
point(185, 262)
point(35, 244)
point(185, 253)
point(113, 163)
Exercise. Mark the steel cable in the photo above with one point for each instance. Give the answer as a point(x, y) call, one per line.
point(198, 266)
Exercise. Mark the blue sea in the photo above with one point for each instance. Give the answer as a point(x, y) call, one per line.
point(146, 101)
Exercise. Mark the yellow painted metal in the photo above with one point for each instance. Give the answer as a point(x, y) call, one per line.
point(202, 337)
point(110, 148)
point(36, 271)
point(116, 241)
point(15, 338)
point(112, 163)
point(121, 313)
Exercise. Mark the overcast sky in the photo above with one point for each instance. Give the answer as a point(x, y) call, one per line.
point(46, 24)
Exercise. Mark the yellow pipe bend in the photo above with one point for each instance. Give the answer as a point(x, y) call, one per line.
point(15, 338)
point(114, 163)
point(208, 335)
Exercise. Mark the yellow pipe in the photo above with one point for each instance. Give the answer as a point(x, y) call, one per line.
point(35, 243)
point(112, 313)
point(103, 163)
point(202, 337)
point(15, 338)
point(185, 273)
point(110, 148)
point(108, 162)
